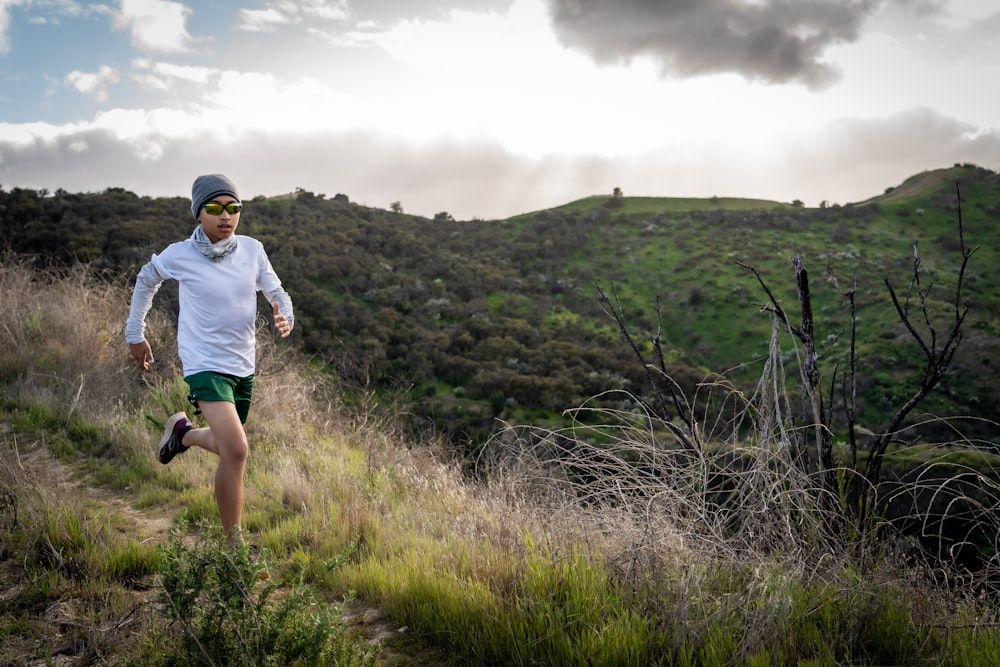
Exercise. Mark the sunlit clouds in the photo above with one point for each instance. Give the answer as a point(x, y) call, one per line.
point(156, 26)
point(93, 83)
point(488, 108)
point(283, 12)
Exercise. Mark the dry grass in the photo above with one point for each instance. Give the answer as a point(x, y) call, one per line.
point(62, 339)
point(602, 539)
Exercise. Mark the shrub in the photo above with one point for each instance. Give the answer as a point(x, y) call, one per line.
point(223, 598)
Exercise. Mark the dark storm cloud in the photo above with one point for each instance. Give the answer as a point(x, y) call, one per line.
point(777, 41)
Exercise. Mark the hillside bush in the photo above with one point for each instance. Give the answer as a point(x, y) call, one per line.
point(367, 284)
point(231, 612)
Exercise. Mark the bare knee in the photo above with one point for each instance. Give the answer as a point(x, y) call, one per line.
point(234, 450)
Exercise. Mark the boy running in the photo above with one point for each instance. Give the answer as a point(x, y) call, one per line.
point(219, 275)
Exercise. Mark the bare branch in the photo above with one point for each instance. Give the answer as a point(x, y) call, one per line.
point(775, 306)
point(688, 438)
point(936, 360)
point(676, 394)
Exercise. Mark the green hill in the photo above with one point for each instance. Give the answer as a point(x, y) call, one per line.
point(623, 204)
point(596, 543)
point(479, 320)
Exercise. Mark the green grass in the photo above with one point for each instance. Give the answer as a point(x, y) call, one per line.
point(556, 551)
point(630, 204)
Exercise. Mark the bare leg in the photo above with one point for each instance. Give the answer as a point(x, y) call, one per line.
point(224, 436)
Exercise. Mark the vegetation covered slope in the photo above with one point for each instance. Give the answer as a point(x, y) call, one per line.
point(566, 555)
point(487, 319)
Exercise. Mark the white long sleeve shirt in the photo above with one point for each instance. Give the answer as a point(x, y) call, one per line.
point(218, 304)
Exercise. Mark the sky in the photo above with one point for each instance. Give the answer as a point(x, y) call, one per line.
point(485, 109)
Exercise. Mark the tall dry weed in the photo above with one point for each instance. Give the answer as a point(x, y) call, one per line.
point(287, 389)
point(617, 479)
point(63, 338)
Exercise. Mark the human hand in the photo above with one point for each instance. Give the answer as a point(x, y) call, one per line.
point(142, 353)
point(281, 322)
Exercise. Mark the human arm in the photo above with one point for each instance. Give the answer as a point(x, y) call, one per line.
point(142, 353)
point(281, 323)
point(147, 283)
point(284, 316)
point(270, 285)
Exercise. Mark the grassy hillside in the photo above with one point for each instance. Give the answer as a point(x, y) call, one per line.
point(565, 555)
point(652, 205)
point(484, 321)
point(917, 185)
point(691, 261)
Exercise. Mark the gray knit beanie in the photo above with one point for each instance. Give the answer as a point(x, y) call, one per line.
point(208, 186)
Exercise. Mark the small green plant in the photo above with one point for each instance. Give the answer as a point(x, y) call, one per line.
point(224, 599)
point(129, 561)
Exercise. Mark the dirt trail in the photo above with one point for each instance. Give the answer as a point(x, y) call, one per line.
point(50, 475)
point(34, 464)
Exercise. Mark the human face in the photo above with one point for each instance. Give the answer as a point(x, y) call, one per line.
point(222, 226)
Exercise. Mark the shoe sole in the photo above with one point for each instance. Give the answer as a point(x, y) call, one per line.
point(168, 432)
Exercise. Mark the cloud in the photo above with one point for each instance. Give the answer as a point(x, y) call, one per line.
point(93, 83)
point(5, 7)
point(230, 102)
point(775, 41)
point(54, 11)
point(156, 153)
point(892, 140)
point(157, 25)
point(162, 76)
point(283, 12)
point(262, 20)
